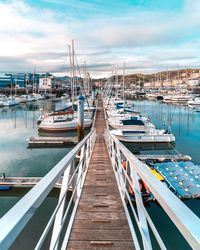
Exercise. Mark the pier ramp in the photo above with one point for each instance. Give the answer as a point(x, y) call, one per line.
point(100, 221)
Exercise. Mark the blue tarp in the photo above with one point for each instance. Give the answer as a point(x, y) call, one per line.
point(183, 178)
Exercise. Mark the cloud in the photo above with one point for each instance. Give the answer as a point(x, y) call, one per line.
point(15, 63)
point(30, 36)
point(147, 36)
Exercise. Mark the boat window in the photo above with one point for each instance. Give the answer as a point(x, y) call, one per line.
point(133, 132)
point(133, 122)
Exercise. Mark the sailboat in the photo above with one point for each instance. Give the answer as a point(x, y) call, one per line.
point(65, 122)
point(8, 101)
point(194, 102)
point(11, 100)
point(62, 123)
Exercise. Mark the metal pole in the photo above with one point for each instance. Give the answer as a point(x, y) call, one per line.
point(73, 71)
point(80, 126)
point(123, 84)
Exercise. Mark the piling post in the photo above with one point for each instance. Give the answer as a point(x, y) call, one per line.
point(93, 97)
point(80, 126)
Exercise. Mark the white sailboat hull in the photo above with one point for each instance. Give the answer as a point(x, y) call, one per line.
point(10, 102)
point(194, 103)
point(145, 138)
point(62, 126)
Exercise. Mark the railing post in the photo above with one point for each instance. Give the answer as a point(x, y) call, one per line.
point(120, 173)
point(59, 216)
point(80, 126)
point(80, 173)
point(73, 169)
point(112, 153)
point(140, 209)
point(88, 149)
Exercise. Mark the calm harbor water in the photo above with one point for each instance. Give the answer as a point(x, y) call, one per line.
point(16, 125)
point(20, 122)
point(184, 123)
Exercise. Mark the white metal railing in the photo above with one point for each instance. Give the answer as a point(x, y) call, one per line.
point(127, 177)
point(73, 167)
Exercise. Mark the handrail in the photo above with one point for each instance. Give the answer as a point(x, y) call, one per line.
point(183, 218)
point(95, 115)
point(13, 222)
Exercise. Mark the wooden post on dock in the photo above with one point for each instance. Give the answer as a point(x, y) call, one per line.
point(93, 97)
point(80, 126)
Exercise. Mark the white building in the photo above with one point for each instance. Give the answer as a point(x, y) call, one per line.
point(45, 83)
point(193, 82)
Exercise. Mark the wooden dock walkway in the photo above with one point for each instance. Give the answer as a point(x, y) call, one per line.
point(161, 158)
point(51, 141)
point(100, 221)
point(23, 181)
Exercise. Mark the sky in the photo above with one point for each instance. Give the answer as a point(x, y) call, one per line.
point(147, 35)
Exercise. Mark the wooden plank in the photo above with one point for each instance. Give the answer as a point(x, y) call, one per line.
point(80, 245)
point(100, 221)
point(99, 196)
point(101, 224)
point(100, 207)
point(101, 215)
point(98, 234)
point(99, 189)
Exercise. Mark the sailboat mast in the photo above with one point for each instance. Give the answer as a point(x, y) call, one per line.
point(16, 84)
point(87, 79)
point(178, 75)
point(33, 78)
point(123, 81)
point(116, 81)
point(45, 83)
point(70, 68)
point(73, 72)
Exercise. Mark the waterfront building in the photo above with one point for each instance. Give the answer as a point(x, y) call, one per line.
point(5, 80)
point(20, 80)
point(46, 82)
point(194, 82)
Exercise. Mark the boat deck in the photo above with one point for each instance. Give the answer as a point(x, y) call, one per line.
point(51, 141)
point(23, 181)
point(100, 221)
point(177, 157)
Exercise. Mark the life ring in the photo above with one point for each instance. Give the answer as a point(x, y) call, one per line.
point(130, 187)
point(124, 164)
point(145, 186)
point(140, 182)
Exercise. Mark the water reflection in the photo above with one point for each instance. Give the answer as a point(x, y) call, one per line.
point(147, 148)
point(20, 122)
point(61, 134)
